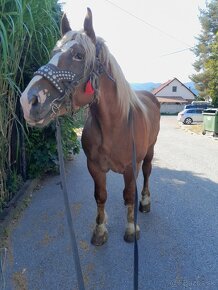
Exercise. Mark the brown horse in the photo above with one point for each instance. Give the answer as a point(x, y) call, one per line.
point(82, 71)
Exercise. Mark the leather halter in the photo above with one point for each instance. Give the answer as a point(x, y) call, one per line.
point(57, 76)
point(66, 81)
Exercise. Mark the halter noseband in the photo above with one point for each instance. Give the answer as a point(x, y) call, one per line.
point(57, 76)
point(65, 81)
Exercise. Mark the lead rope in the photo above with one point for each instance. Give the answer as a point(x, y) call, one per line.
point(67, 208)
point(136, 255)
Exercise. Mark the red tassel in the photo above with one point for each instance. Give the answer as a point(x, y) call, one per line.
point(89, 88)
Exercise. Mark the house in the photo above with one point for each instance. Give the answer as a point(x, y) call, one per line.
point(173, 95)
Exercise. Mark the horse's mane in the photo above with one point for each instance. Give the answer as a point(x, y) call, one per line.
point(126, 96)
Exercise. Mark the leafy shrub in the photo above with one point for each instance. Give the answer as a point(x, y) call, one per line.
point(42, 149)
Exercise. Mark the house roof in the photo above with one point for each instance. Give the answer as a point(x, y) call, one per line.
point(155, 91)
point(162, 86)
point(171, 100)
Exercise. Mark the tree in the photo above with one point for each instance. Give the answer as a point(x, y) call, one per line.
point(206, 78)
point(212, 66)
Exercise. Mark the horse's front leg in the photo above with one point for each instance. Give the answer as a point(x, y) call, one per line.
point(129, 196)
point(145, 202)
point(100, 234)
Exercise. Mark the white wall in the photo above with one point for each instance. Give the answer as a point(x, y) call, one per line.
point(171, 108)
point(182, 91)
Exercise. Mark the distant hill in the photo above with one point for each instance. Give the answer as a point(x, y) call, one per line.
point(151, 86)
point(144, 86)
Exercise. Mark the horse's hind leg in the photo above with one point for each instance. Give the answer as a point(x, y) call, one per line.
point(146, 168)
point(100, 233)
point(128, 195)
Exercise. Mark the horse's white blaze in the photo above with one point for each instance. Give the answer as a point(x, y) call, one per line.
point(26, 104)
point(43, 95)
point(69, 44)
point(55, 59)
point(31, 83)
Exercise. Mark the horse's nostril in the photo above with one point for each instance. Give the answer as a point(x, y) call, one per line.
point(34, 100)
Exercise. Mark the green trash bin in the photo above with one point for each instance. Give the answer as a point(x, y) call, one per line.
point(210, 121)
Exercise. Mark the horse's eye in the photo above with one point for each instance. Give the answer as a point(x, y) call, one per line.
point(78, 56)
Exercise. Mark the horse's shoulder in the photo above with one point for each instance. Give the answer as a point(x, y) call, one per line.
point(91, 131)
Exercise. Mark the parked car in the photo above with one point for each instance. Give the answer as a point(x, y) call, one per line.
point(200, 106)
point(188, 116)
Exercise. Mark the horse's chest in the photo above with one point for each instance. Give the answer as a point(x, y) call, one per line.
point(106, 151)
point(108, 160)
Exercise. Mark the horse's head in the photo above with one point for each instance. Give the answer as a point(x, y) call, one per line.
point(65, 79)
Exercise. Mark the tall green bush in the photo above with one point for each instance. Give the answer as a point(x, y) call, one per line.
point(29, 30)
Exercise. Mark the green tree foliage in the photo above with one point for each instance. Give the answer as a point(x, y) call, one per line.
point(212, 67)
point(205, 79)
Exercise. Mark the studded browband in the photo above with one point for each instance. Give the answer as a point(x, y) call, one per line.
point(65, 81)
point(56, 76)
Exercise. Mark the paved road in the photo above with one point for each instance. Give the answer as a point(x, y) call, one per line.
point(179, 237)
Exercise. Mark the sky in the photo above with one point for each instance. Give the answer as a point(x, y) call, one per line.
point(150, 39)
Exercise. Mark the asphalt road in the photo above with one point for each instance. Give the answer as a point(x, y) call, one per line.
point(178, 248)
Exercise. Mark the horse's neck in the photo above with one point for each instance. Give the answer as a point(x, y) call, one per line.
point(107, 112)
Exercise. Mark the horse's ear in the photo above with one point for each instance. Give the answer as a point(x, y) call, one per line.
point(88, 27)
point(65, 26)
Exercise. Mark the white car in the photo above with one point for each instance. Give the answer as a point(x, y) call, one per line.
point(188, 116)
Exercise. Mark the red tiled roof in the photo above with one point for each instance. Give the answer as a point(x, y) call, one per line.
point(155, 91)
point(171, 100)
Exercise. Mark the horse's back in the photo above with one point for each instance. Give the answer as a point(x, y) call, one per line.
point(148, 99)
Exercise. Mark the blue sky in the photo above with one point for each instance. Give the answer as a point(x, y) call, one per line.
point(145, 36)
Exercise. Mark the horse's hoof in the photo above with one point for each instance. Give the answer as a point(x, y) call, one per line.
point(130, 237)
point(99, 240)
point(144, 208)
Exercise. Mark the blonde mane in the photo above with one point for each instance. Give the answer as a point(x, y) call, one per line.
point(127, 98)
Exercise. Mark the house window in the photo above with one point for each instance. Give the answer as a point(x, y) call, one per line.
point(174, 89)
